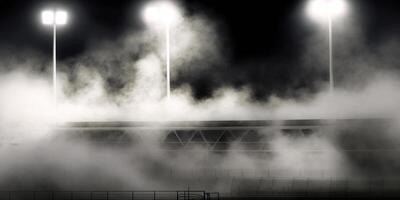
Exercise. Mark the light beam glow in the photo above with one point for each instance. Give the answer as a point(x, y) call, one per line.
point(47, 17)
point(61, 17)
point(323, 9)
point(162, 13)
point(50, 17)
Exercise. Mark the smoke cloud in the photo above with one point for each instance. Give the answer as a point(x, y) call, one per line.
point(123, 80)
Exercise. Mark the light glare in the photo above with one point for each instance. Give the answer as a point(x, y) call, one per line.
point(59, 17)
point(323, 9)
point(161, 13)
point(47, 17)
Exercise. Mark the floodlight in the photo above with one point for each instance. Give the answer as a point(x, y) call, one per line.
point(326, 11)
point(48, 17)
point(323, 9)
point(61, 17)
point(161, 13)
point(54, 18)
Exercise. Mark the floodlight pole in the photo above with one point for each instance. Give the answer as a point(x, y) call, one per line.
point(331, 81)
point(167, 38)
point(55, 61)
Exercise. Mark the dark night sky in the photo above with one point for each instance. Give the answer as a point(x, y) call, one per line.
point(253, 31)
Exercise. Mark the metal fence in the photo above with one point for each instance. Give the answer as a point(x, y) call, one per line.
point(278, 188)
point(218, 136)
point(108, 195)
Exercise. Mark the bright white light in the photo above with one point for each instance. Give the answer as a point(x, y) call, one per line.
point(59, 17)
point(161, 13)
point(323, 9)
point(47, 17)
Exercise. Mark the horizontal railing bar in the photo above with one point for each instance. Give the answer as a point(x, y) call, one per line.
point(210, 124)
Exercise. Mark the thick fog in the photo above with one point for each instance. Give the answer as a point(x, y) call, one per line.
point(124, 80)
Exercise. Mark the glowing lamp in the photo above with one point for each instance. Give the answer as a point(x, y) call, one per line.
point(50, 17)
point(323, 9)
point(161, 13)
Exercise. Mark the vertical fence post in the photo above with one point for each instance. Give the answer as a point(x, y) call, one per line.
point(133, 195)
point(154, 195)
point(107, 195)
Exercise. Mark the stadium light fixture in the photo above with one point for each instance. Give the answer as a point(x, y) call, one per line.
point(54, 18)
point(324, 9)
point(327, 11)
point(163, 14)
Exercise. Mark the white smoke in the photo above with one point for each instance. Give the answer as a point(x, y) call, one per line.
point(135, 63)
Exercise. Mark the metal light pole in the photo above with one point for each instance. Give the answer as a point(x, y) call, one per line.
point(163, 14)
point(168, 60)
point(55, 61)
point(331, 81)
point(327, 11)
point(53, 18)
